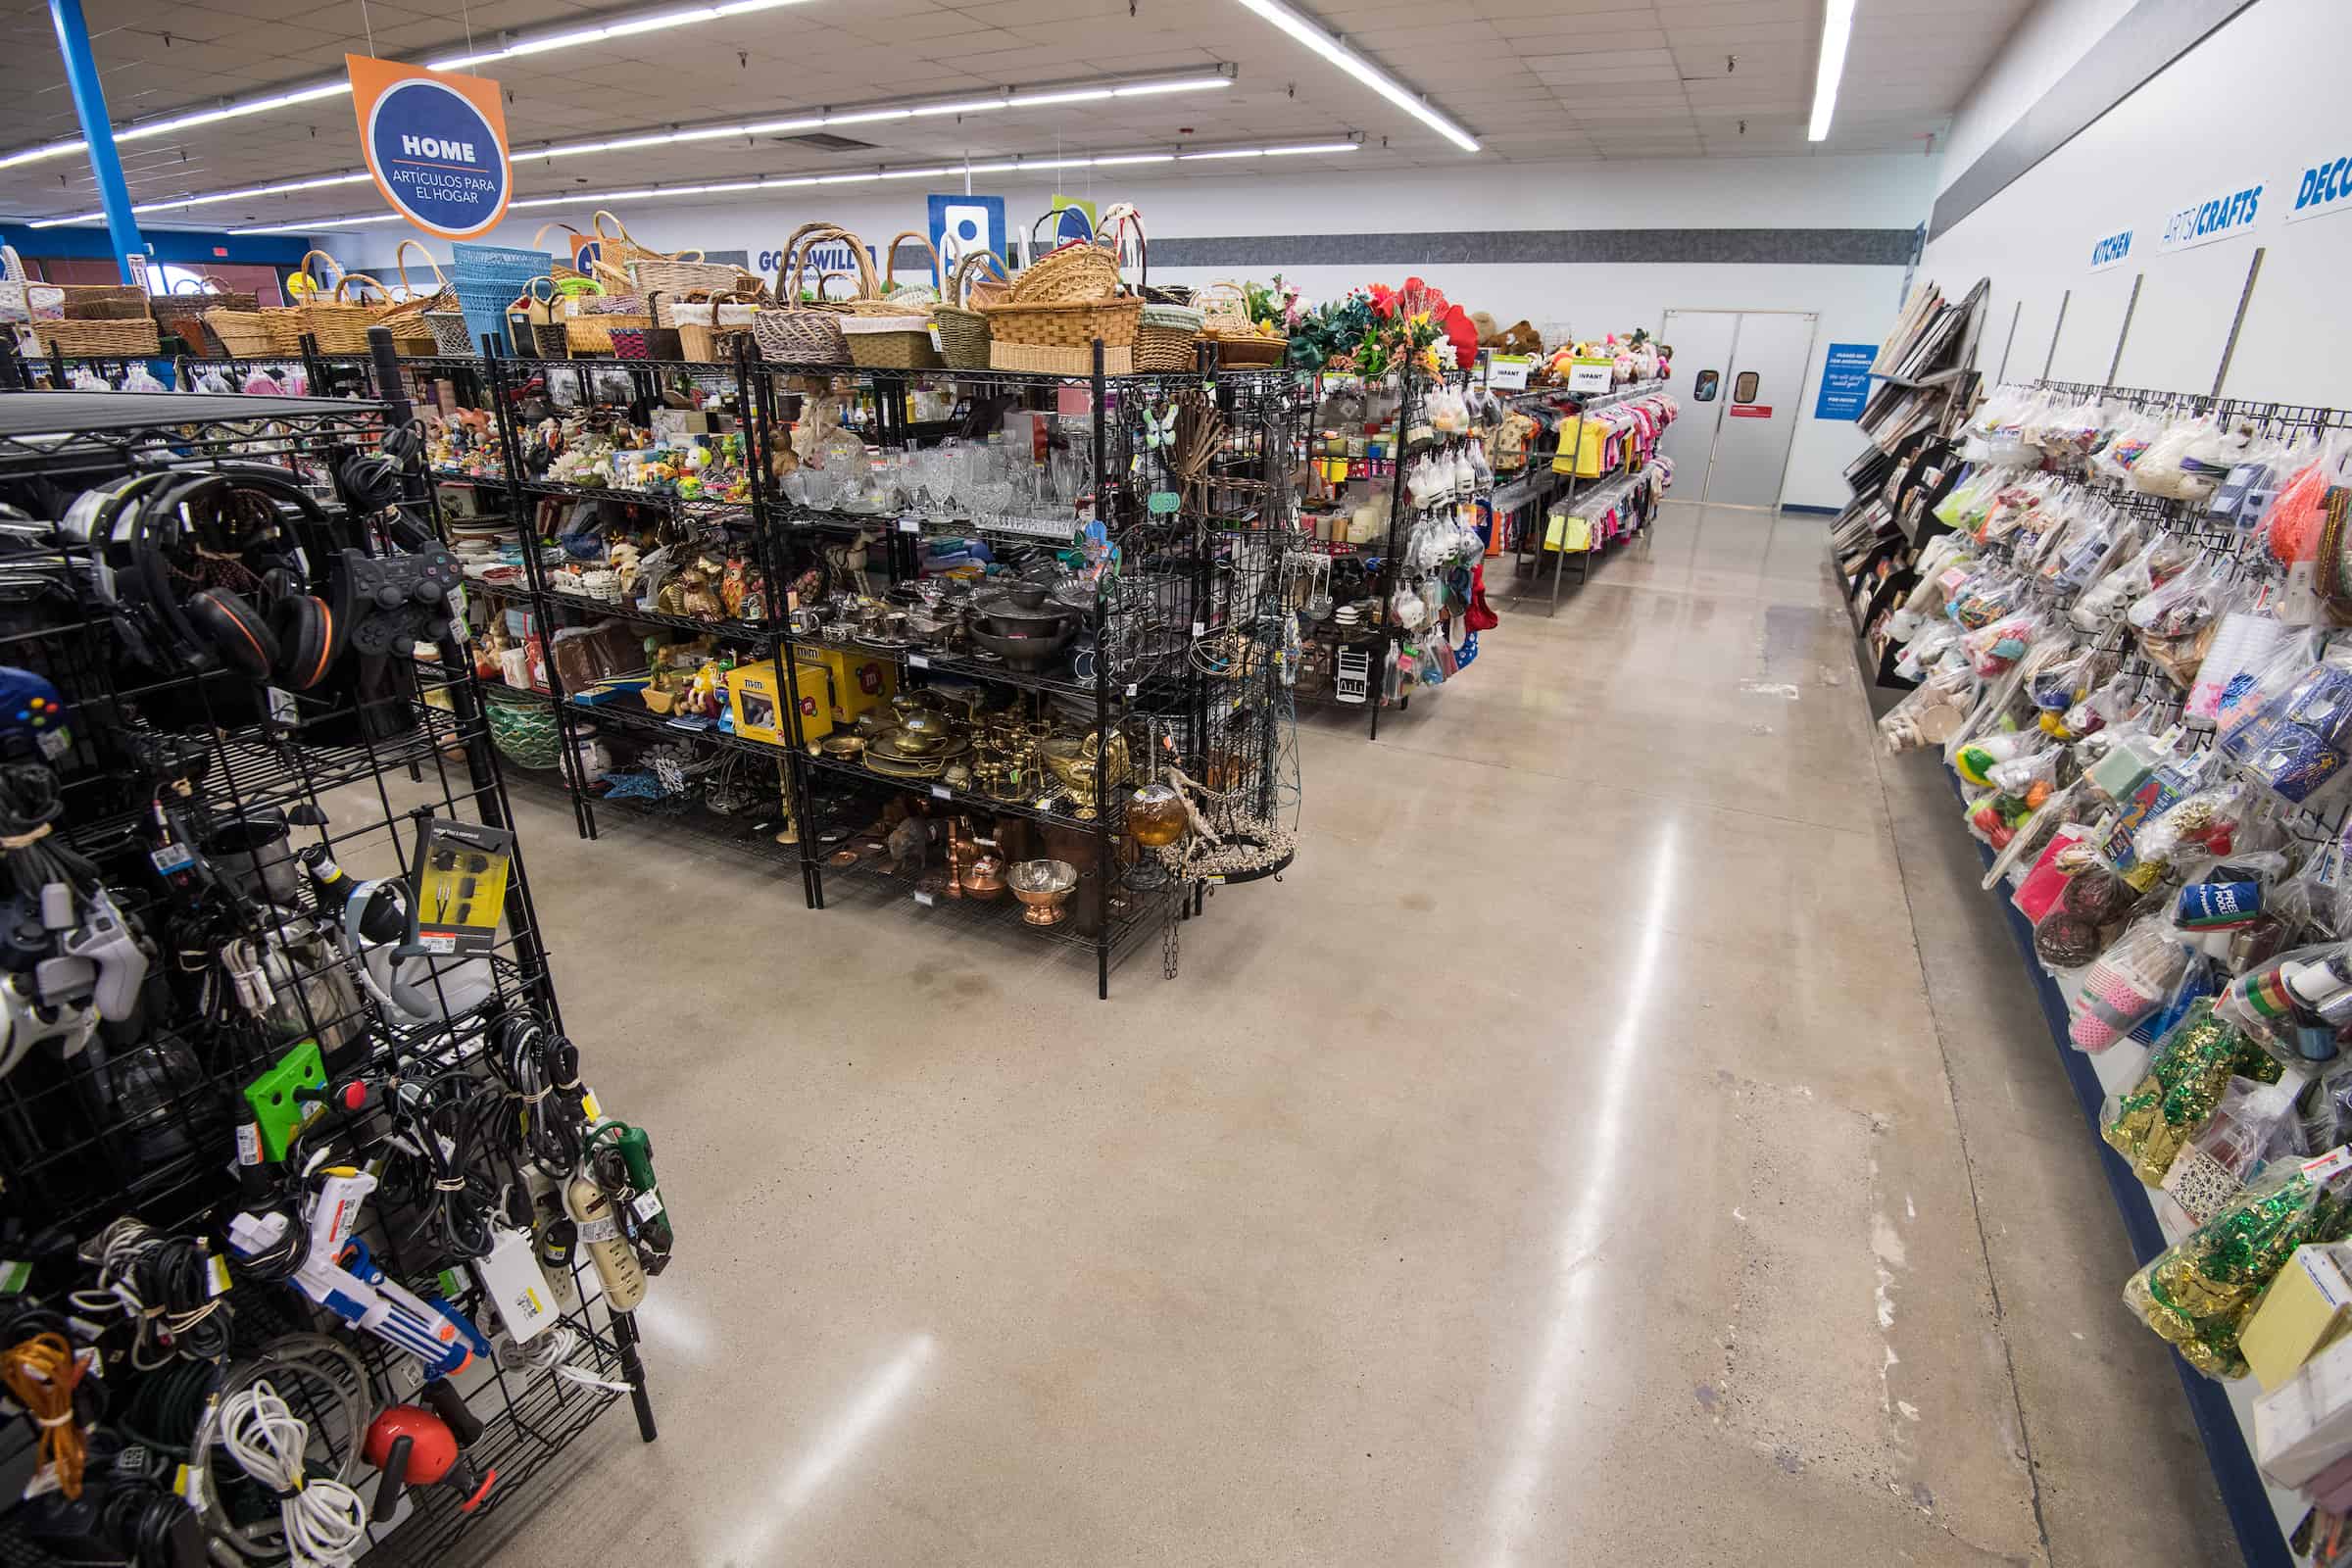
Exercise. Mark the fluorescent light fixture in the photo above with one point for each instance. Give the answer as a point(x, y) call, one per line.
point(1836, 31)
point(1310, 33)
point(572, 38)
point(672, 193)
point(852, 116)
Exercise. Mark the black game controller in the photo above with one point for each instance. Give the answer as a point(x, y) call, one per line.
point(391, 602)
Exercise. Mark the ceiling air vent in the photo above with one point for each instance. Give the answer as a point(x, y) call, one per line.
point(824, 141)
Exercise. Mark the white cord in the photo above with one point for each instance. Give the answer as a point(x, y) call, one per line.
point(551, 1352)
point(325, 1523)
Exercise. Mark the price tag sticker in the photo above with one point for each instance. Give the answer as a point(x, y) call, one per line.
point(172, 857)
point(926, 899)
point(649, 1204)
point(911, 525)
point(1131, 688)
point(941, 792)
point(935, 344)
point(1198, 627)
point(918, 661)
point(216, 1278)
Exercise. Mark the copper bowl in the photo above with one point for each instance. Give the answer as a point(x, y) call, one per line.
point(984, 878)
point(1044, 885)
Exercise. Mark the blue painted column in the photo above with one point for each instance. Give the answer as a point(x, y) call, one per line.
point(89, 104)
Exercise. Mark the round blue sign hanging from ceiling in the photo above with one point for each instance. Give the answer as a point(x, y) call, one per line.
point(439, 160)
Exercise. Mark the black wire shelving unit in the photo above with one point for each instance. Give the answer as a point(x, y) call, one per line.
point(143, 1119)
point(1179, 575)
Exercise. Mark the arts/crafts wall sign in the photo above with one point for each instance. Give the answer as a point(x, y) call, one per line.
point(436, 144)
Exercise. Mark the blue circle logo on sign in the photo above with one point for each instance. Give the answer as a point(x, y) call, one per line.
point(438, 159)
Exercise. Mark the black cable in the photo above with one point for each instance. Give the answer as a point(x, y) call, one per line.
point(542, 1072)
point(449, 1117)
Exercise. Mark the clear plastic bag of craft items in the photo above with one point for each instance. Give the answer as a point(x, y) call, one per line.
point(2296, 744)
point(1993, 649)
point(2020, 787)
point(1931, 712)
point(2246, 696)
point(2205, 822)
point(1964, 505)
point(2241, 644)
point(2098, 537)
point(2185, 462)
point(2070, 436)
point(2126, 983)
point(2002, 412)
point(2253, 1129)
point(2012, 506)
point(1942, 567)
point(2298, 510)
point(2040, 530)
point(2294, 1005)
point(2136, 575)
point(1929, 649)
point(2175, 622)
point(2134, 433)
point(1991, 591)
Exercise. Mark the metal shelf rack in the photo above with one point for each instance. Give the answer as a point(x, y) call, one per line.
point(144, 1117)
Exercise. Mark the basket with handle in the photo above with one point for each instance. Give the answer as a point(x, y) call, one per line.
point(287, 324)
point(652, 341)
point(406, 320)
point(451, 336)
point(13, 306)
point(1111, 232)
point(621, 250)
point(182, 311)
point(708, 327)
point(962, 328)
point(925, 294)
point(802, 331)
point(891, 342)
point(1079, 271)
point(1065, 324)
point(591, 319)
point(557, 267)
point(1225, 321)
point(340, 326)
point(681, 274)
point(1165, 336)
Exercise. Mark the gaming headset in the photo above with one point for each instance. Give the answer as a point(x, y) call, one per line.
point(154, 528)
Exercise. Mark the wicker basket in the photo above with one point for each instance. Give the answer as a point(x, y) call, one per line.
point(1079, 271)
point(1225, 308)
point(243, 334)
point(1112, 234)
point(102, 338)
point(1041, 361)
point(104, 302)
point(619, 249)
point(182, 311)
point(910, 295)
point(962, 328)
point(340, 326)
point(798, 331)
point(891, 342)
point(560, 271)
point(673, 280)
point(444, 296)
point(1164, 338)
point(449, 335)
point(551, 340)
point(591, 331)
point(708, 327)
point(1065, 324)
point(1243, 350)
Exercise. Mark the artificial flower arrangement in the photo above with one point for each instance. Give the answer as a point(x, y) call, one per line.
point(1374, 330)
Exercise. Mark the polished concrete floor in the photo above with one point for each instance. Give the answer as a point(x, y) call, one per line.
point(1622, 1138)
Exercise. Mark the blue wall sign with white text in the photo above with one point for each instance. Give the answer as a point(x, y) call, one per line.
point(2112, 250)
point(960, 224)
point(2226, 215)
point(2324, 187)
point(1844, 381)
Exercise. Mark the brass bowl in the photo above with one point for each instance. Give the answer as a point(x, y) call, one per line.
point(924, 724)
point(845, 745)
point(1044, 885)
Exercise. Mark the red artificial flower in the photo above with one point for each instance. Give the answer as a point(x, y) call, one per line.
point(1384, 301)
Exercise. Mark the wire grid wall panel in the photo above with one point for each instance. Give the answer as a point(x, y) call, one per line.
point(143, 1121)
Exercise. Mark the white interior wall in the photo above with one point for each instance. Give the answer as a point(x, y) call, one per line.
point(2257, 102)
point(2042, 48)
point(1855, 303)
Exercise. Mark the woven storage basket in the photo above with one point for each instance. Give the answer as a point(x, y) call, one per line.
point(1041, 361)
point(559, 270)
point(1165, 336)
point(674, 278)
point(962, 328)
point(799, 331)
point(619, 249)
point(551, 340)
point(1118, 219)
point(1079, 271)
point(182, 311)
point(103, 338)
point(910, 295)
point(1242, 351)
point(341, 325)
point(243, 334)
point(708, 327)
point(449, 335)
point(444, 296)
point(891, 342)
point(104, 302)
point(591, 331)
point(1068, 325)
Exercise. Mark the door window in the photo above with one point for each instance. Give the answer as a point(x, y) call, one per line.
point(1743, 387)
point(1709, 382)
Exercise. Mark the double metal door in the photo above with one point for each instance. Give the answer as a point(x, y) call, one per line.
point(1740, 375)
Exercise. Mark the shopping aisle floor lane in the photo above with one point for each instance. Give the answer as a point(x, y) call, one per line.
point(1571, 1162)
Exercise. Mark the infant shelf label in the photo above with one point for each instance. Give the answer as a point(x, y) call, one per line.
point(2226, 216)
point(436, 144)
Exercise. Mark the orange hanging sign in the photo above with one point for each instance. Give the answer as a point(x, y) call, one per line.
point(436, 144)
